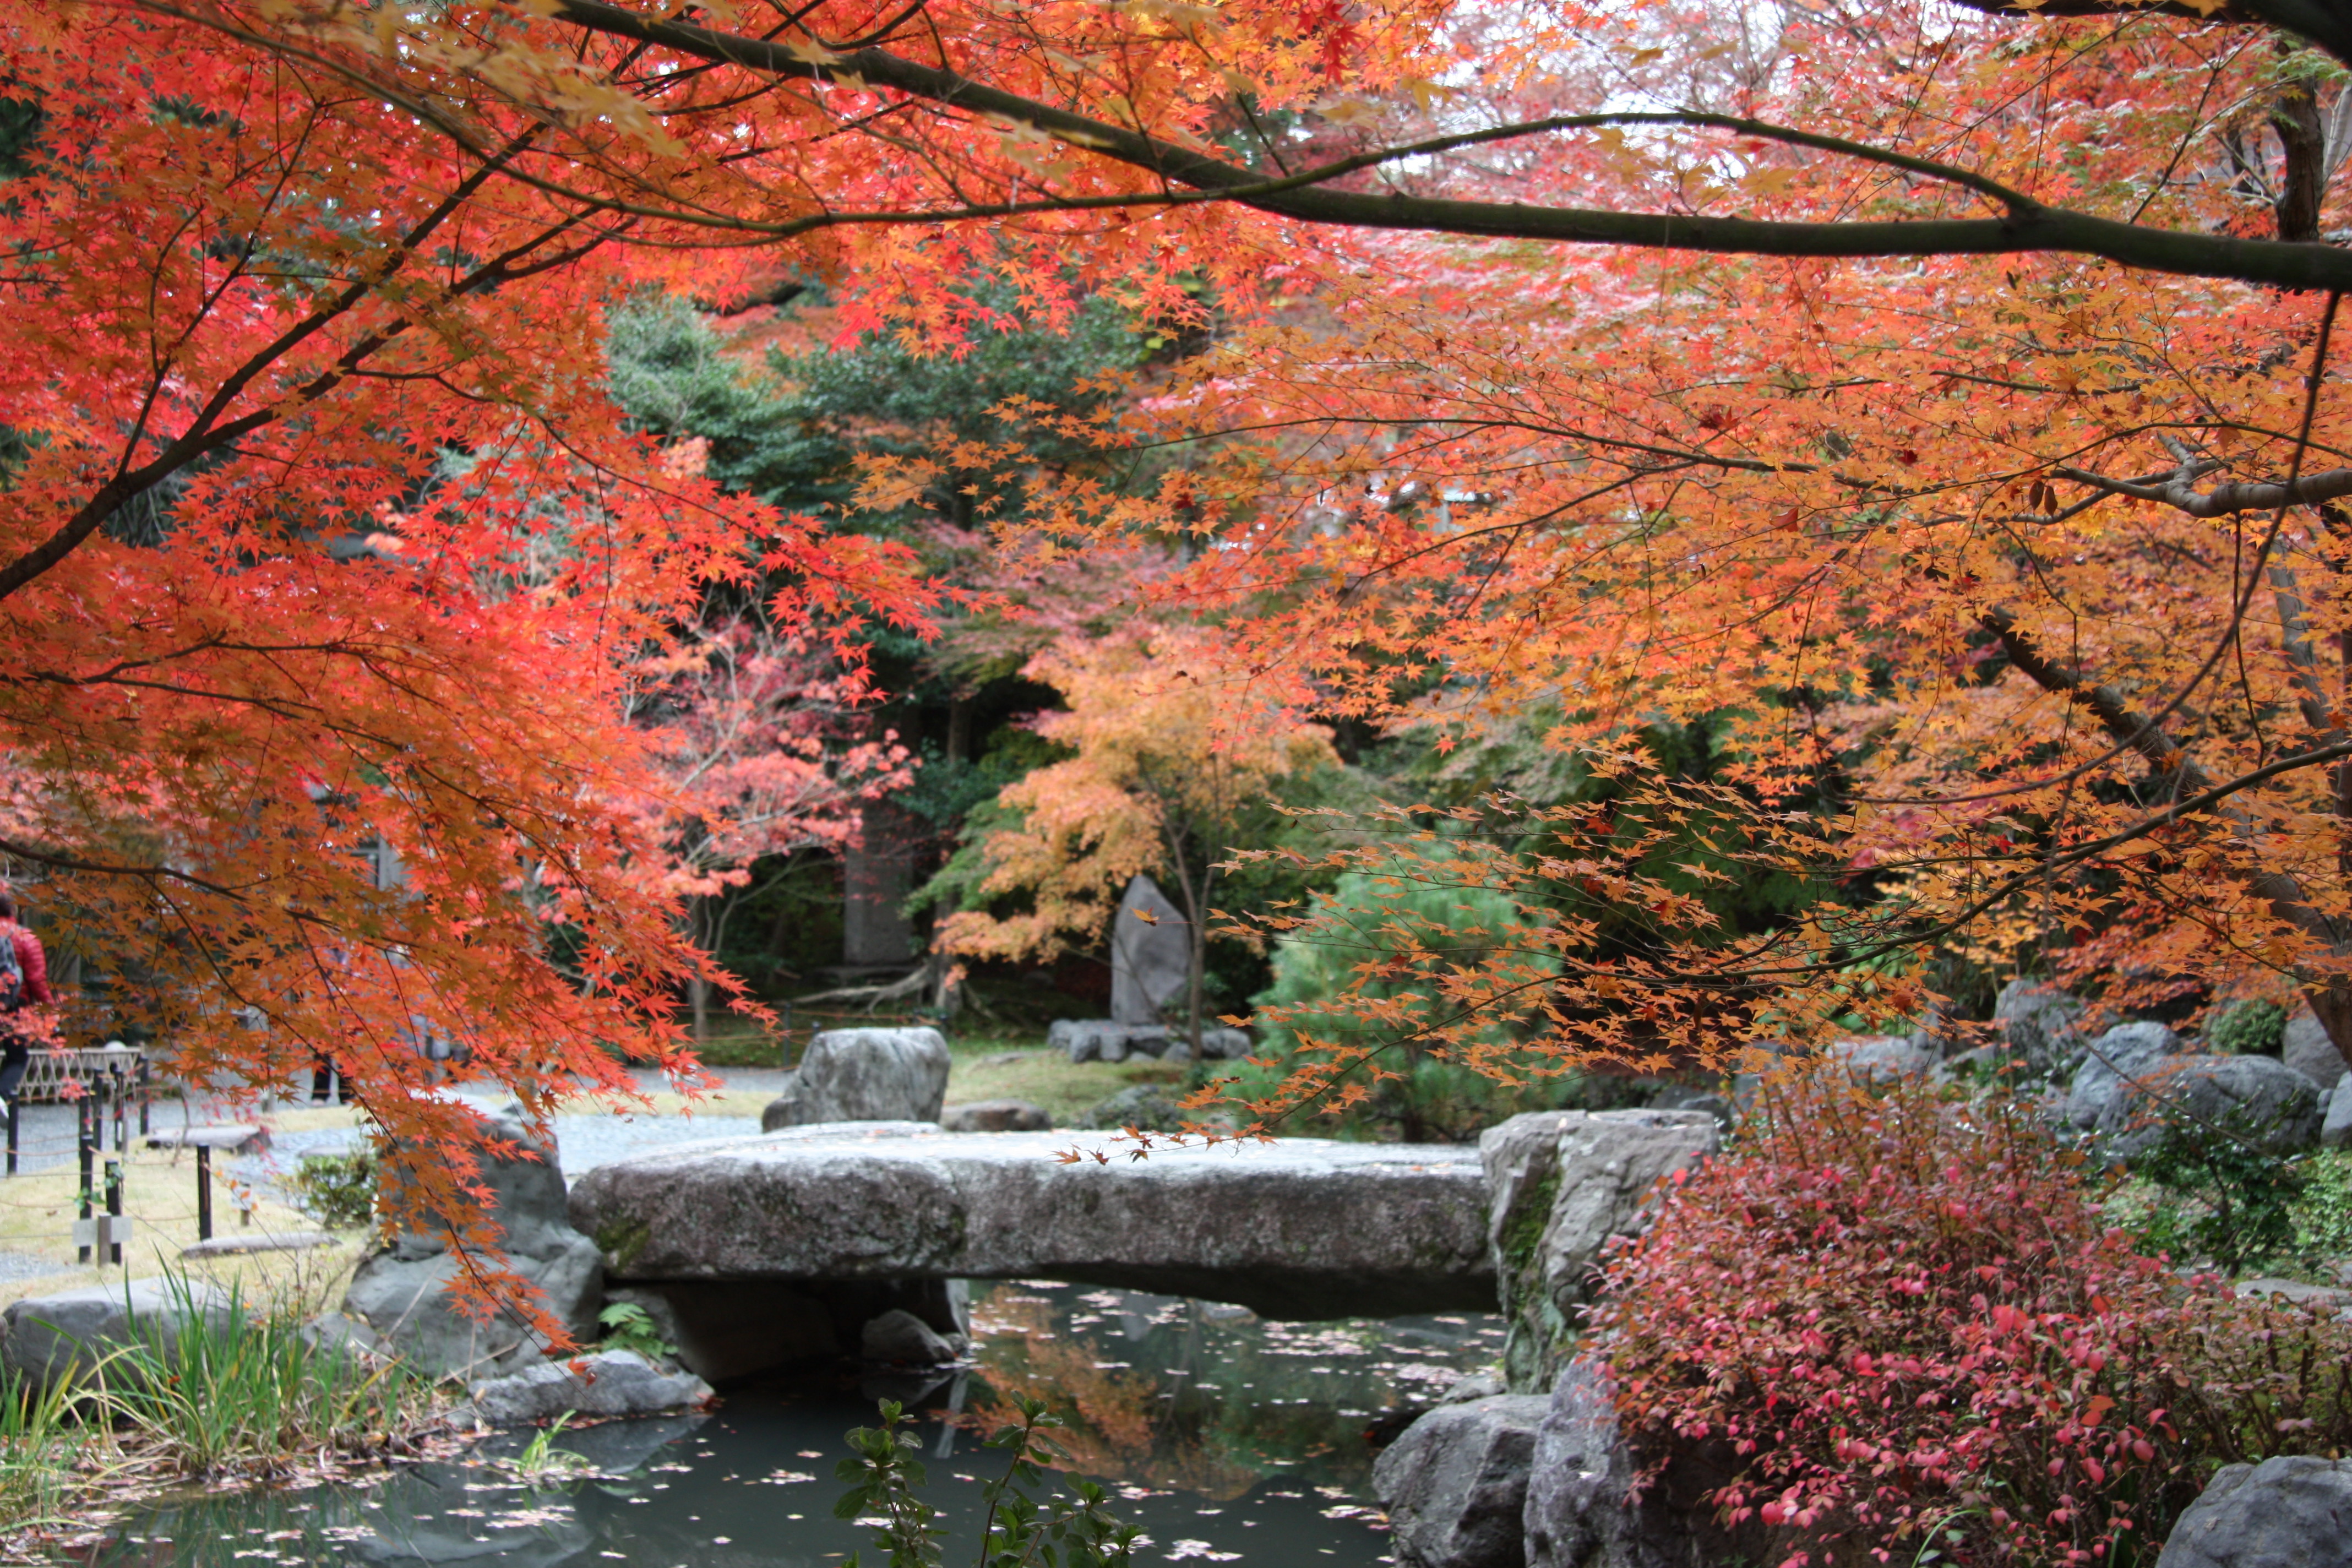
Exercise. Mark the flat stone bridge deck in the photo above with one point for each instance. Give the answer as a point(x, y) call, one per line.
point(1304, 1229)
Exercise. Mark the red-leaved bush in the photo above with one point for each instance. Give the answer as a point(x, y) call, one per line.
point(1896, 1318)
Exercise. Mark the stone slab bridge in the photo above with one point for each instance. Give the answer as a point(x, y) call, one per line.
point(1304, 1229)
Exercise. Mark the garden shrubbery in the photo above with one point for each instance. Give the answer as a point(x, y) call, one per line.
point(336, 1190)
point(1372, 967)
point(1901, 1322)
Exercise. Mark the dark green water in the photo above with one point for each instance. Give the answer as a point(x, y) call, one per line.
point(1225, 1438)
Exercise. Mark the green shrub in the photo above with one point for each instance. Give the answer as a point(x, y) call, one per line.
point(629, 1327)
point(2322, 1215)
point(1383, 961)
point(336, 1190)
point(2233, 1202)
point(2248, 1029)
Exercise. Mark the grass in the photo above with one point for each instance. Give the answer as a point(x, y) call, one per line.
point(38, 1211)
point(984, 1066)
point(241, 1390)
point(41, 1451)
point(1065, 1089)
point(235, 1394)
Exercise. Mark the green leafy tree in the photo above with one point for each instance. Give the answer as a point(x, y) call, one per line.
point(1391, 956)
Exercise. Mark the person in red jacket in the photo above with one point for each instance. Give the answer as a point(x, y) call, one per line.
point(17, 1027)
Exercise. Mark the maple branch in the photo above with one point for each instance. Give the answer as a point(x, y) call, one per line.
point(2130, 731)
point(143, 873)
point(2222, 500)
point(197, 441)
point(2146, 737)
point(2035, 229)
point(2327, 24)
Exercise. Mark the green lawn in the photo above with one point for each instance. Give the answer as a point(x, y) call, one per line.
point(1001, 1069)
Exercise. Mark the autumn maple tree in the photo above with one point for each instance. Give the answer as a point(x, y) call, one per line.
point(1937, 399)
point(1166, 756)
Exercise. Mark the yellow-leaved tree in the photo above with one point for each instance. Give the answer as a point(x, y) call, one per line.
point(1170, 749)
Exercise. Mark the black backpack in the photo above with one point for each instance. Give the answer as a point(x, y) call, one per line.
point(12, 973)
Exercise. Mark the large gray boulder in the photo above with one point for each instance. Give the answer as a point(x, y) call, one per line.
point(2100, 1085)
point(1456, 1483)
point(864, 1075)
point(1561, 1185)
point(2294, 1512)
point(1577, 1513)
point(1150, 954)
point(1882, 1058)
point(615, 1383)
point(2039, 1024)
point(400, 1293)
point(1303, 1228)
point(49, 1337)
point(2307, 1049)
point(2257, 1098)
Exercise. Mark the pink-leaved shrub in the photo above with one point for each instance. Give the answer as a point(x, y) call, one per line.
point(1889, 1321)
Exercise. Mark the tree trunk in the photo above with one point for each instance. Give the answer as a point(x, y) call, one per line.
point(1197, 939)
point(2304, 141)
point(697, 989)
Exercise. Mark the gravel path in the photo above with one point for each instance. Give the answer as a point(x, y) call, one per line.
point(583, 1144)
point(46, 1134)
point(25, 1266)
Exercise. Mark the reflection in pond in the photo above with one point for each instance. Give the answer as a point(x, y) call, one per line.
point(1225, 1438)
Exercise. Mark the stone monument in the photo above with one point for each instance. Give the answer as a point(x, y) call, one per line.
point(1150, 955)
point(1150, 982)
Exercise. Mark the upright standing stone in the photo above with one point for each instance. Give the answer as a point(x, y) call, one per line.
point(2307, 1049)
point(1579, 1510)
point(2040, 1023)
point(1150, 954)
point(1456, 1483)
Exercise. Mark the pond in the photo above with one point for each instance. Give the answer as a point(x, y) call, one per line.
point(1225, 1437)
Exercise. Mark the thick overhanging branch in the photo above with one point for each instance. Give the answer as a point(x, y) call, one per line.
point(2180, 490)
point(154, 873)
point(2027, 229)
point(2145, 737)
point(2142, 735)
point(2327, 24)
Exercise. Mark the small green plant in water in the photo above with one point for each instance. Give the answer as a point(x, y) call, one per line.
point(1062, 1529)
point(629, 1327)
point(540, 1461)
point(336, 1190)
